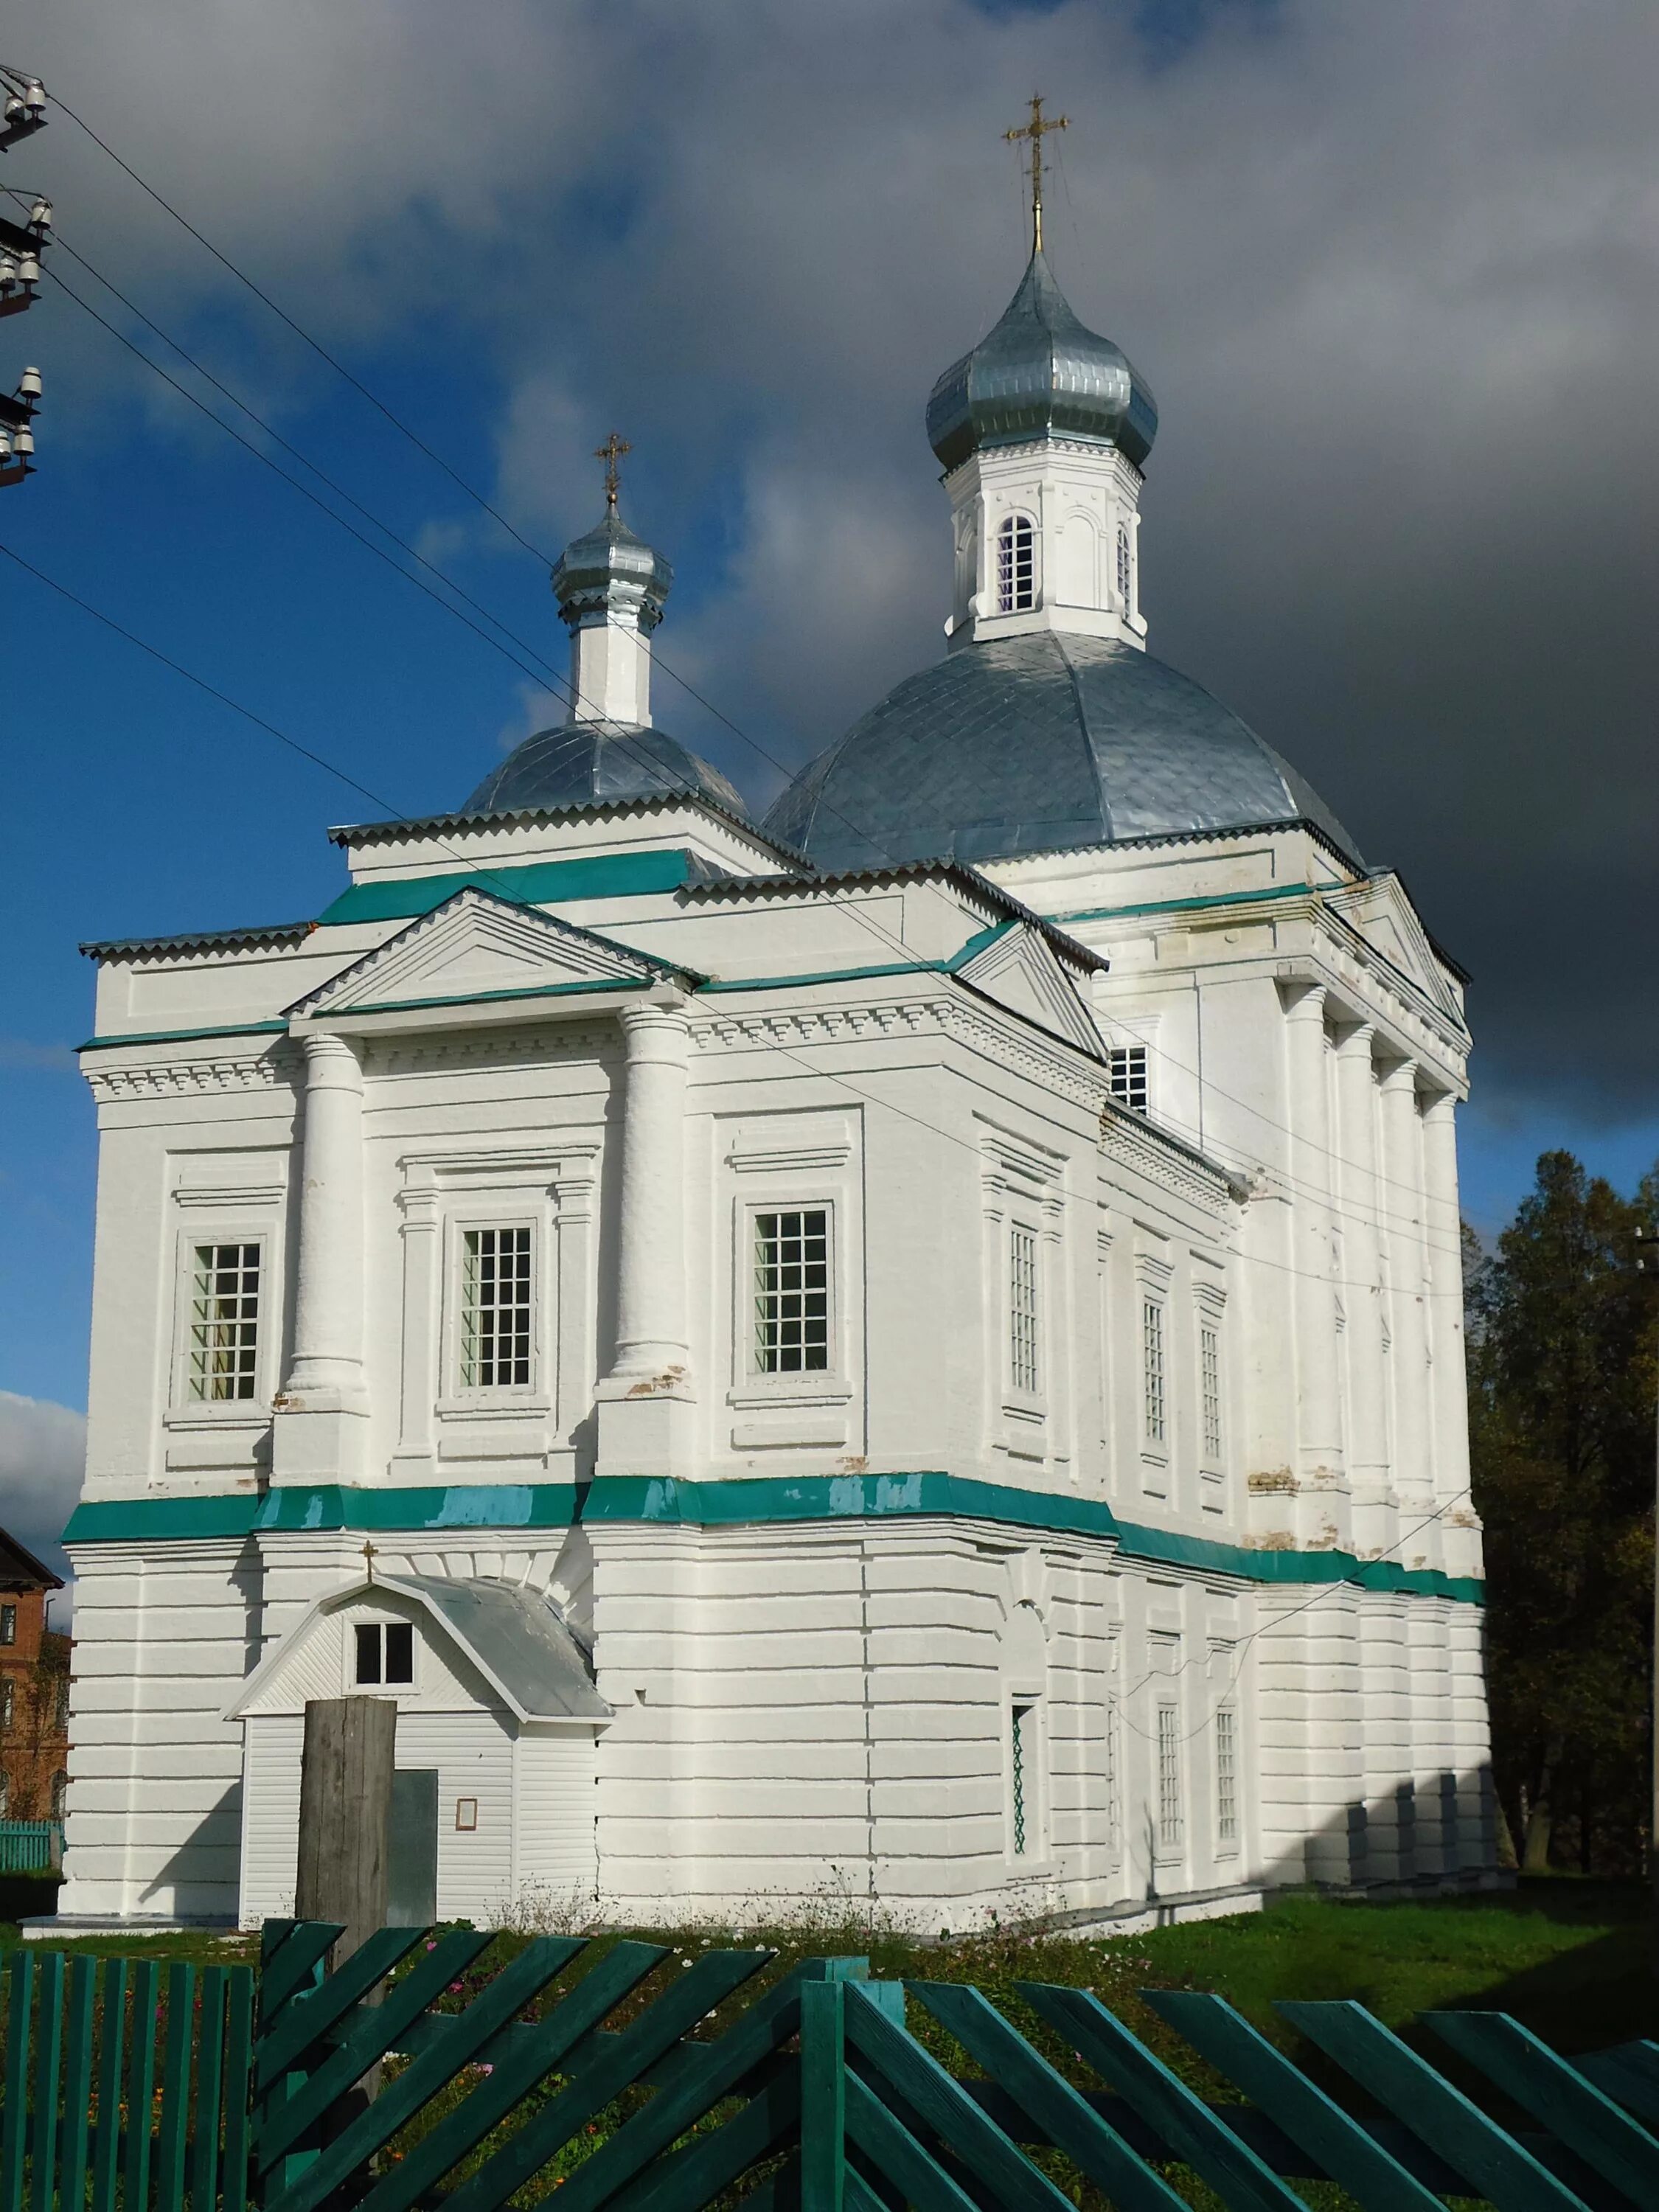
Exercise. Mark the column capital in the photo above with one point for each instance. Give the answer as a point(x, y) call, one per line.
point(1307, 1005)
point(1398, 1076)
point(642, 1019)
point(1355, 1042)
point(330, 1060)
point(1440, 1108)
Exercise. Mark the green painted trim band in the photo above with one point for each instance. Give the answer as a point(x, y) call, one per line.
point(185, 1036)
point(1171, 906)
point(612, 983)
point(745, 1502)
point(976, 945)
point(535, 883)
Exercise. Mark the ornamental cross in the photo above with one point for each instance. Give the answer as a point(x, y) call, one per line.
point(1036, 130)
point(610, 452)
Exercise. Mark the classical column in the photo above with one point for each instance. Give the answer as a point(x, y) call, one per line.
point(1319, 1414)
point(1443, 1228)
point(651, 1323)
point(323, 1404)
point(1362, 1292)
point(644, 1409)
point(1402, 1211)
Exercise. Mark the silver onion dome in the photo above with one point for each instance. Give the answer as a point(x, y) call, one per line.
point(608, 566)
point(1041, 371)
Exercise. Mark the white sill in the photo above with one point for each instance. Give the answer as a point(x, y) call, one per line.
point(218, 1413)
point(801, 1389)
point(493, 1406)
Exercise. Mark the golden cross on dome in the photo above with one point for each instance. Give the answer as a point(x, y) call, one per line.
point(1036, 131)
point(610, 452)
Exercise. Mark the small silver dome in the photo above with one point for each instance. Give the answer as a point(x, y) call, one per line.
point(1040, 371)
point(586, 764)
point(588, 574)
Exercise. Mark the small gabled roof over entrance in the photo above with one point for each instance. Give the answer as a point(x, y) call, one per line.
point(477, 946)
point(516, 1639)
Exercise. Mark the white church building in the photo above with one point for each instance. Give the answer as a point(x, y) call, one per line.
point(909, 1350)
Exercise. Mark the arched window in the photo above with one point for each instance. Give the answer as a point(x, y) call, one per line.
point(1123, 567)
point(1016, 566)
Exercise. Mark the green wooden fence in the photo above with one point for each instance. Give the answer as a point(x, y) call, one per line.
point(410, 2079)
point(31, 1846)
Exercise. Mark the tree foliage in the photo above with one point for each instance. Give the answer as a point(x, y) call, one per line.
point(1563, 1372)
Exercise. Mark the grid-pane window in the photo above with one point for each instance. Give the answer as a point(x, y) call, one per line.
point(8, 1703)
point(1022, 1750)
point(1110, 1763)
point(1226, 1776)
point(495, 1309)
point(1170, 1826)
point(1023, 1307)
point(1152, 1370)
point(1127, 1073)
point(1209, 1380)
point(224, 1321)
point(791, 1291)
point(8, 1624)
point(1123, 567)
point(1016, 566)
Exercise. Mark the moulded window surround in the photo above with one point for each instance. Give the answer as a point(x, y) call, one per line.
point(383, 1655)
point(1123, 566)
point(1027, 1842)
point(1226, 1779)
point(1154, 1375)
point(227, 1326)
point(1016, 565)
point(1024, 1354)
point(497, 1307)
point(791, 1278)
point(1171, 1824)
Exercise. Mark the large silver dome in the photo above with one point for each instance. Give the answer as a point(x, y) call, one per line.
point(1029, 744)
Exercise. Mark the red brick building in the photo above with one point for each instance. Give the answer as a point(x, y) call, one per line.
point(35, 1674)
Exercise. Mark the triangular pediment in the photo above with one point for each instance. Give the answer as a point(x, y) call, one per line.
point(1384, 916)
point(478, 946)
point(1021, 970)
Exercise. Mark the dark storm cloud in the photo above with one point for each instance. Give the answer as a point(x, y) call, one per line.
point(1389, 270)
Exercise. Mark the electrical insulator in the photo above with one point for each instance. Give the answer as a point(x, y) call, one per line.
point(5, 443)
point(23, 441)
point(28, 385)
point(34, 97)
point(28, 269)
point(15, 107)
point(8, 272)
point(40, 216)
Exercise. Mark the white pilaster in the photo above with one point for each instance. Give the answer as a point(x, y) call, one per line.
point(1413, 1373)
point(610, 668)
point(1319, 1417)
point(1361, 1292)
point(322, 1411)
point(644, 1401)
point(1460, 1529)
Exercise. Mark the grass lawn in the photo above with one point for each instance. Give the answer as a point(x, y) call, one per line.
point(1570, 1959)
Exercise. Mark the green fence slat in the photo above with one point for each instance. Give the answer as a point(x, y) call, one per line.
point(75, 2143)
point(918, 2174)
point(375, 2031)
point(1500, 2168)
point(1314, 2121)
point(15, 2114)
point(238, 2088)
point(1629, 2074)
point(770, 2022)
point(539, 2050)
point(48, 2074)
point(822, 2098)
point(1243, 2181)
point(172, 2132)
point(1573, 2110)
point(946, 2108)
point(1061, 2110)
point(112, 2041)
point(209, 2083)
point(289, 1959)
point(141, 2085)
point(686, 2179)
point(676, 2012)
point(309, 2015)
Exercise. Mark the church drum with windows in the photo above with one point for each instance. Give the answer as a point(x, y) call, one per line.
point(909, 1351)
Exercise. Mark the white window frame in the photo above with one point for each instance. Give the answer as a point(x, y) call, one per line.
point(458, 1394)
point(1169, 1782)
point(1210, 1319)
point(1027, 1353)
point(1129, 1067)
point(1023, 1190)
point(1228, 1779)
point(1125, 549)
point(381, 1621)
point(212, 1219)
point(1008, 535)
point(1154, 1276)
point(790, 1378)
point(1155, 1372)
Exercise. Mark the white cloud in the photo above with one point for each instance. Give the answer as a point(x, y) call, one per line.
point(43, 1452)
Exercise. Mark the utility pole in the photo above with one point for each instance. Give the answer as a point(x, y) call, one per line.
point(21, 245)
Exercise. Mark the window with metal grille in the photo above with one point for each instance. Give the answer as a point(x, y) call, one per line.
point(1127, 1074)
point(7, 1703)
point(385, 1653)
point(1151, 1359)
point(1123, 567)
point(1016, 566)
point(1022, 1720)
point(495, 1309)
point(8, 1624)
point(224, 1322)
point(1209, 1380)
point(1023, 1308)
point(1226, 1776)
point(1170, 1824)
point(791, 1291)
